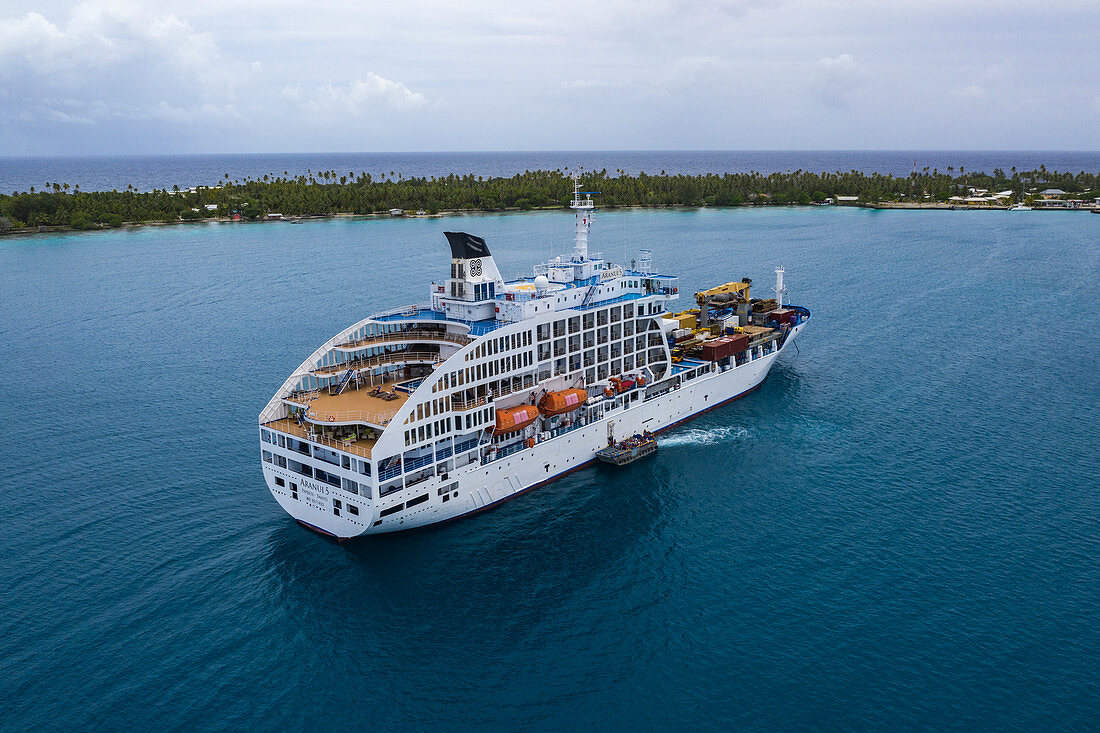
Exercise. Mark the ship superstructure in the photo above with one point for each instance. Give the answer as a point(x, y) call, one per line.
point(490, 387)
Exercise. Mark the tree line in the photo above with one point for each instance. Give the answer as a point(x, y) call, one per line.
point(331, 192)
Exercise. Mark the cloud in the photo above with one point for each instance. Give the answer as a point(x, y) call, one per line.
point(971, 92)
point(371, 94)
point(837, 80)
point(112, 57)
point(107, 76)
point(987, 81)
point(578, 84)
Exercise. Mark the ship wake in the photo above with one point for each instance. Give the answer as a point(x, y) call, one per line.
point(705, 436)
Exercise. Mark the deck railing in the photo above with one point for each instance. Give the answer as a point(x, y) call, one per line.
point(459, 404)
point(367, 362)
point(416, 335)
point(289, 426)
point(381, 419)
point(465, 446)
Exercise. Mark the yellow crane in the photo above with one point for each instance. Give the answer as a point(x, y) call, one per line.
point(728, 293)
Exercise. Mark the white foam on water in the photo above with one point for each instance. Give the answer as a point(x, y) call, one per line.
point(704, 436)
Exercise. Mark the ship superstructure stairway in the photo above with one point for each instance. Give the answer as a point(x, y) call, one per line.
point(591, 291)
point(345, 381)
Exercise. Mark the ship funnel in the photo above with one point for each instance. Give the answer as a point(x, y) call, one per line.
point(474, 274)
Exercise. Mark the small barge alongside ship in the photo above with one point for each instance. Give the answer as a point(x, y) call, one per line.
point(490, 387)
point(629, 450)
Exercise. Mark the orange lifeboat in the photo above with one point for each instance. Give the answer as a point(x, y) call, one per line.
point(559, 403)
point(511, 419)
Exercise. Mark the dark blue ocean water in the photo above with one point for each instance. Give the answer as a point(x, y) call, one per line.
point(898, 531)
point(163, 171)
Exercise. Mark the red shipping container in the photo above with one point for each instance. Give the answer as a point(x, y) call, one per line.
point(781, 316)
point(717, 349)
point(739, 343)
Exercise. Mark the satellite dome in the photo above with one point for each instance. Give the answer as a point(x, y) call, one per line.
point(542, 283)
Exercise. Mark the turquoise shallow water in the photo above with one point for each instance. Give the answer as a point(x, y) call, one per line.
point(898, 530)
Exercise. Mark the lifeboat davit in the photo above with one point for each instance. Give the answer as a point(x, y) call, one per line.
point(511, 419)
point(559, 403)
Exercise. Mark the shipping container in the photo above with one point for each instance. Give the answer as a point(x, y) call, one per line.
point(716, 350)
point(739, 343)
point(687, 320)
point(781, 316)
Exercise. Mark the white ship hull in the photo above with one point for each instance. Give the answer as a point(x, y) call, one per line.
point(477, 486)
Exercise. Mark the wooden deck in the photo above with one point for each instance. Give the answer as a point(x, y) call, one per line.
point(355, 405)
point(323, 436)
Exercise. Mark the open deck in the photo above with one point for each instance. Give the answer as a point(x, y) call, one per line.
point(338, 438)
point(363, 405)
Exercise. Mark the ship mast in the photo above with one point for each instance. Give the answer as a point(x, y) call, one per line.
point(779, 289)
point(585, 209)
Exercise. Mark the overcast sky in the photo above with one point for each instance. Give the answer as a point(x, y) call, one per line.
point(106, 77)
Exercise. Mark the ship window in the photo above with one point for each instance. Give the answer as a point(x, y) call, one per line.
point(350, 486)
point(279, 481)
point(266, 435)
point(364, 468)
point(282, 442)
point(352, 509)
point(267, 456)
point(418, 500)
point(280, 461)
point(392, 510)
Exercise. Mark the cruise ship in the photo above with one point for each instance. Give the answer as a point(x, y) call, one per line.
point(491, 387)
